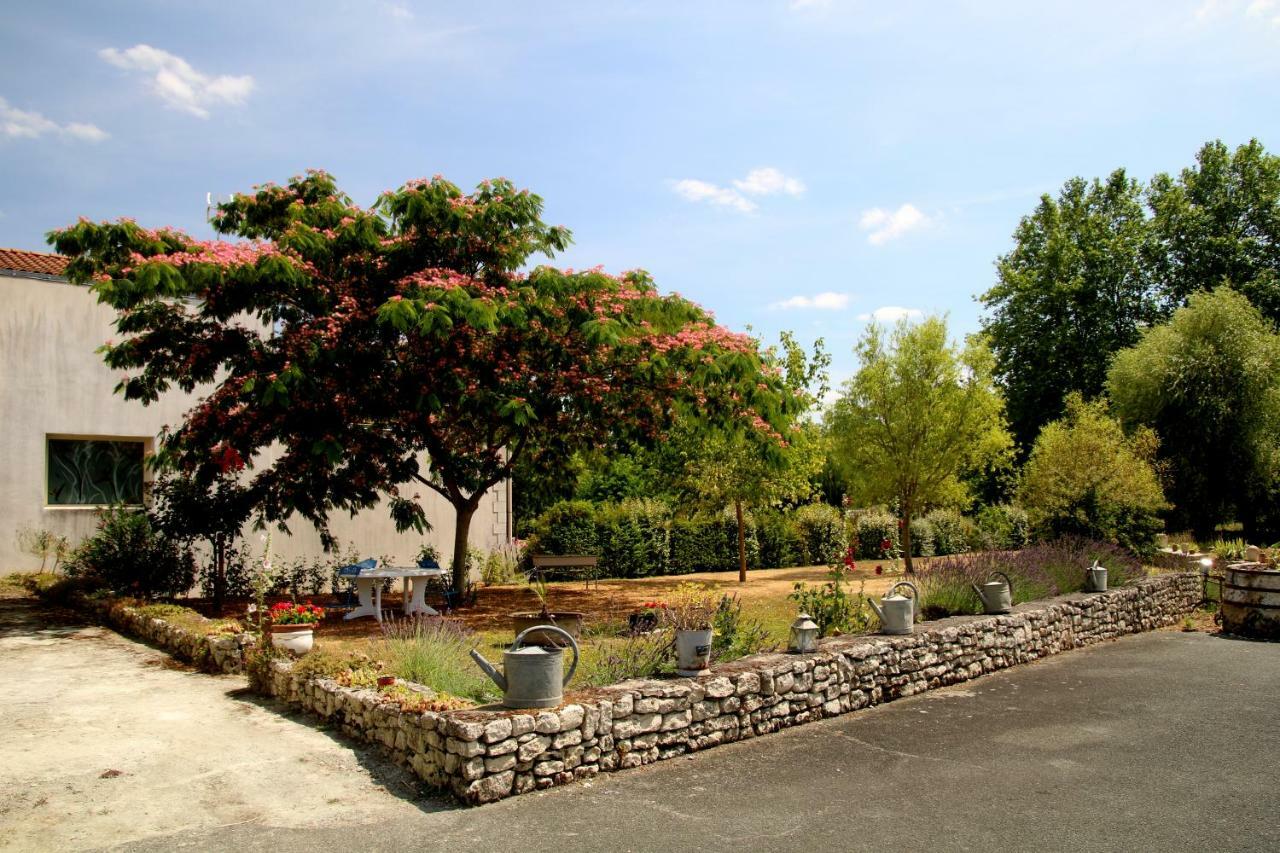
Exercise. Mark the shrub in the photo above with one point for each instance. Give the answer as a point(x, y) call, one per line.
point(1001, 527)
point(127, 556)
point(1086, 478)
point(946, 585)
point(821, 531)
point(501, 566)
point(952, 532)
point(871, 529)
point(781, 544)
point(634, 538)
point(639, 655)
point(568, 527)
point(44, 544)
point(436, 653)
point(1228, 549)
point(922, 538)
point(735, 636)
point(710, 544)
point(237, 577)
point(831, 608)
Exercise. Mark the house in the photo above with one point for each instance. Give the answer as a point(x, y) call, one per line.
point(69, 444)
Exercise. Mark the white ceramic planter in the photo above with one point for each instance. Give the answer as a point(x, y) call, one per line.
point(693, 652)
point(293, 638)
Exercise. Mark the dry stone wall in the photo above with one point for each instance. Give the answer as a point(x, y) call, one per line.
point(487, 754)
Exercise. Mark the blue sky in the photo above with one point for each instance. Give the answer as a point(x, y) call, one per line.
point(789, 164)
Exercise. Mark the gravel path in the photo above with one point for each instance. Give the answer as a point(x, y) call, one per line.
point(106, 741)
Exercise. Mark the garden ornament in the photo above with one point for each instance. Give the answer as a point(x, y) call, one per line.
point(533, 676)
point(1096, 577)
point(804, 634)
point(996, 597)
point(896, 612)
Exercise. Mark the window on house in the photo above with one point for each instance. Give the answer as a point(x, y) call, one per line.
point(94, 471)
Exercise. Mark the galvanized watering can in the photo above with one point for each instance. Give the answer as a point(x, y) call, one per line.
point(897, 612)
point(996, 597)
point(534, 676)
point(1096, 578)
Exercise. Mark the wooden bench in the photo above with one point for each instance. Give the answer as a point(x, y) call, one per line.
point(575, 565)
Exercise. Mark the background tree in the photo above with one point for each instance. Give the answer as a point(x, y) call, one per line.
point(212, 509)
point(1208, 382)
point(1219, 223)
point(1073, 290)
point(409, 347)
point(730, 468)
point(918, 414)
point(1086, 477)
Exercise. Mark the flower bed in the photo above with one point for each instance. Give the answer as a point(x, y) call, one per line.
point(482, 755)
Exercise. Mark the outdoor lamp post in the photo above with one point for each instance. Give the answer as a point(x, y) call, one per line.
point(804, 635)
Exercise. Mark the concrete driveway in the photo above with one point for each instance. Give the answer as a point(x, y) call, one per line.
point(1166, 741)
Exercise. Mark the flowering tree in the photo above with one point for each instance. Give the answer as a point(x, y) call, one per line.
point(376, 348)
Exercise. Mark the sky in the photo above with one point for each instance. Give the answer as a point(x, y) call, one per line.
point(811, 165)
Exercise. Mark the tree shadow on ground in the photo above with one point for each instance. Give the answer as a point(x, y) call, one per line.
point(23, 616)
point(383, 771)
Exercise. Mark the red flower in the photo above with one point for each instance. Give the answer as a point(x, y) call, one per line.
point(886, 544)
point(879, 570)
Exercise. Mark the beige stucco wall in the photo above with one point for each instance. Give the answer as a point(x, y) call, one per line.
point(52, 382)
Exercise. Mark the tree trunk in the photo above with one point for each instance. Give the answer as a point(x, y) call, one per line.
point(742, 544)
point(461, 533)
point(219, 575)
point(905, 539)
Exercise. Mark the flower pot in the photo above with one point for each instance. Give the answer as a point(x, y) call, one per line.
point(693, 652)
point(569, 620)
point(293, 638)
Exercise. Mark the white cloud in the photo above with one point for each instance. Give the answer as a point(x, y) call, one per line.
point(768, 181)
point(25, 124)
point(885, 225)
point(1267, 9)
point(397, 10)
point(763, 181)
point(892, 314)
point(1212, 10)
point(828, 299)
point(177, 83)
point(695, 190)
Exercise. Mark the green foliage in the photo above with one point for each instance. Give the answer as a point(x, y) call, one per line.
point(128, 556)
point(1086, 478)
point(870, 530)
point(1218, 223)
point(821, 531)
point(641, 655)
point(205, 515)
point(709, 544)
point(952, 532)
point(635, 540)
point(1073, 290)
point(1208, 382)
point(922, 544)
point(781, 544)
point(917, 415)
point(734, 635)
point(1001, 527)
point(1228, 549)
point(435, 653)
point(832, 609)
point(568, 527)
point(501, 566)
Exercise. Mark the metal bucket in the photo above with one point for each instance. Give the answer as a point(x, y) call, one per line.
point(1251, 602)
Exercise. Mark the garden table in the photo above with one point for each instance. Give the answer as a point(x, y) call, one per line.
point(369, 590)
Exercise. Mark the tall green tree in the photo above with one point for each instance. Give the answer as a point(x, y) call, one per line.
point(1208, 382)
point(918, 414)
point(1086, 477)
point(730, 468)
point(410, 350)
point(1074, 290)
point(1218, 223)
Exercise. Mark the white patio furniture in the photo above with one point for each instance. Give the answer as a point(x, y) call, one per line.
point(369, 590)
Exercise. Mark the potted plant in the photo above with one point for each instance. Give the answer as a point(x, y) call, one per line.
point(569, 620)
point(691, 611)
point(293, 626)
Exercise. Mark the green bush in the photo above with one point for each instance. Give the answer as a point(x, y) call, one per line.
point(922, 538)
point(127, 556)
point(1001, 527)
point(434, 652)
point(821, 530)
point(710, 544)
point(832, 609)
point(568, 527)
point(952, 532)
point(870, 529)
point(735, 636)
point(634, 538)
point(780, 542)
